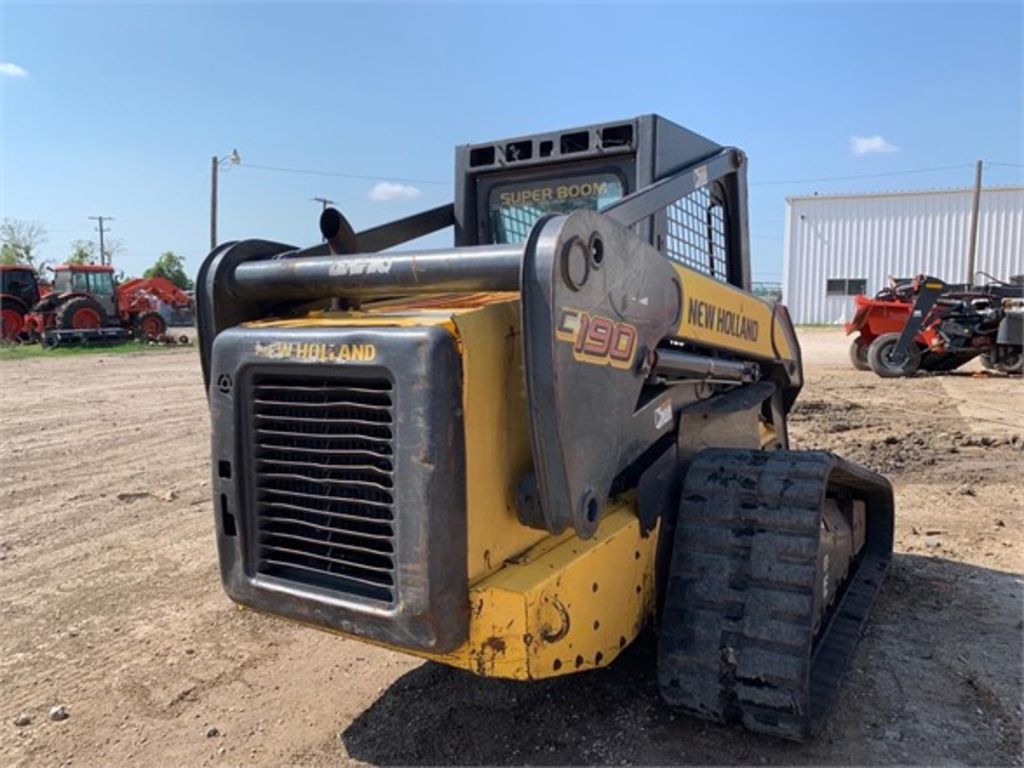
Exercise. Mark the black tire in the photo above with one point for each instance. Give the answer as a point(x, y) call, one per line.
point(150, 325)
point(73, 313)
point(859, 355)
point(881, 363)
point(1010, 362)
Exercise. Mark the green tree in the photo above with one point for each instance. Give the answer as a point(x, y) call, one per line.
point(172, 267)
point(82, 252)
point(20, 242)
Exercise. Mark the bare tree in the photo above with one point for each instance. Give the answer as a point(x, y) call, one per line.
point(20, 241)
point(112, 246)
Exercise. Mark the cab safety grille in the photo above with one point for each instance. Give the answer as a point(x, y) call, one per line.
point(323, 462)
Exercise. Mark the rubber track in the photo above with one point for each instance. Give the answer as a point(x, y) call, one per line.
point(736, 641)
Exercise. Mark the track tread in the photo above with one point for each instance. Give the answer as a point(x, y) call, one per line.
point(737, 641)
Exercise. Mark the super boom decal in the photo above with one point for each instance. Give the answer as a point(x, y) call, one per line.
point(597, 340)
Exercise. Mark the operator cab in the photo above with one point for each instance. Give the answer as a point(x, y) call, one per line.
point(93, 279)
point(504, 187)
point(19, 283)
point(82, 279)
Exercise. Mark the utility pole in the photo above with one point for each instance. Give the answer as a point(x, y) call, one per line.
point(100, 220)
point(214, 163)
point(972, 246)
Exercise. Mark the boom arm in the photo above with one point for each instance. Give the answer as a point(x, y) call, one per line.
point(146, 293)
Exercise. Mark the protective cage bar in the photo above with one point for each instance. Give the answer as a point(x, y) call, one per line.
point(481, 268)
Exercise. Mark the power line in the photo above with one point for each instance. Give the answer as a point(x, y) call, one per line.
point(338, 174)
point(861, 176)
point(1012, 165)
point(772, 182)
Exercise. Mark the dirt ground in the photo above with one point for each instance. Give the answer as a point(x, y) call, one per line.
point(111, 605)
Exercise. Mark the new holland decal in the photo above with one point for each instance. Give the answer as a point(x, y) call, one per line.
point(702, 314)
point(596, 339)
point(319, 352)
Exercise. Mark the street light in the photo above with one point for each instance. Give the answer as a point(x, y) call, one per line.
point(215, 163)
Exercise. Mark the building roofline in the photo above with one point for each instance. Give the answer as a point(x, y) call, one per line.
point(904, 193)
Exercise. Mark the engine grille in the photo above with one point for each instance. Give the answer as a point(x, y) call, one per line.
point(322, 456)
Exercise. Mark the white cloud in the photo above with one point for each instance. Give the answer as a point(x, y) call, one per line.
point(388, 191)
point(871, 145)
point(10, 69)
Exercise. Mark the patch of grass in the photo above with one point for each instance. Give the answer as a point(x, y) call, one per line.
point(29, 351)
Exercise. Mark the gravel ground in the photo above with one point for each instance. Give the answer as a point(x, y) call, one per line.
point(118, 645)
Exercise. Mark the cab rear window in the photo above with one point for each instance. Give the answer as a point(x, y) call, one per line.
point(515, 207)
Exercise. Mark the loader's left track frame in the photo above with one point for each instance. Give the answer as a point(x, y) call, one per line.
point(739, 641)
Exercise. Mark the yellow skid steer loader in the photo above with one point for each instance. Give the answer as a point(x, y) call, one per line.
point(512, 455)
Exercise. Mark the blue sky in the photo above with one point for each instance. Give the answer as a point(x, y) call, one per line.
point(116, 109)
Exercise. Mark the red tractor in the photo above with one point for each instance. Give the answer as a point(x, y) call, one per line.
point(87, 304)
point(20, 290)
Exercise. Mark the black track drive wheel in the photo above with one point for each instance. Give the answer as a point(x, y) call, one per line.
point(859, 355)
point(744, 636)
point(81, 313)
point(881, 362)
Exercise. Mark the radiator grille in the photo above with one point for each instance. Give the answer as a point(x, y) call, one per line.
point(323, 453)
point(696, 233)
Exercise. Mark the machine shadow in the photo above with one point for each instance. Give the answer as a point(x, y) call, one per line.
point(920, 668)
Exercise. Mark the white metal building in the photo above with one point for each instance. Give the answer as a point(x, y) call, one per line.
point(839, 245)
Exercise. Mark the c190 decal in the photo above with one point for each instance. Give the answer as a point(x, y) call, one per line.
point(596, 339)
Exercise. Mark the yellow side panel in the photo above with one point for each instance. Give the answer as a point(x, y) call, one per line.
point(540, 605)
point(497, 437)
point(564, 606)
point(720, 315)
point(488, 330)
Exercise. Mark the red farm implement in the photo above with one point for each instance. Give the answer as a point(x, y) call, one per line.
point(886, 313)
point(931, 326)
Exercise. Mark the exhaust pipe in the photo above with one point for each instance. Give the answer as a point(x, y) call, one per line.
point(337, 232)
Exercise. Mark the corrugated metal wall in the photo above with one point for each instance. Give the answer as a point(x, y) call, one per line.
point(900, 234)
